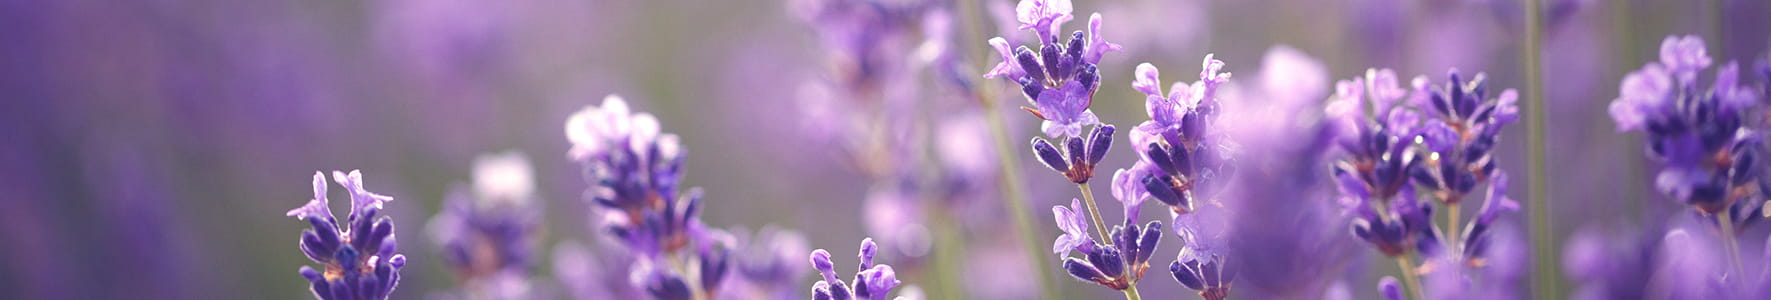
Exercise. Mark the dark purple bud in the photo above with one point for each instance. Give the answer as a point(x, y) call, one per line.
point(1159, 188)
point(1183, 160)
point(1159, 156)
point(1186, 276)
point(1099, 143)
point(1030, 87)
point(715, 263)
point(1109, 260)
point(1074, 51)
point(1082, 269)
point(1089, 76)
point(1075, 149)
point(1030, 63)
point(1053, 65)
point(1049, 155)
point(821, 291)
point(1147, 243)
point(669, 288)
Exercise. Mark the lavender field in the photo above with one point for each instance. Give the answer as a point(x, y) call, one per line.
point(885, 149)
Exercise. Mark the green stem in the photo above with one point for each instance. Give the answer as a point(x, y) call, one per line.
point(1451, 226)
point(1544, 272)
point(1409, 281)
point(1088, 196)
point(1131, 293)
point(1007, 161)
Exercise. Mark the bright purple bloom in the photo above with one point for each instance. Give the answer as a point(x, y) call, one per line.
point(1058, 79)
point(1187, 154)
point(1073, 221)
point(1390, 288)
point(1699, 135)
point(872, 281)
point(359, 260)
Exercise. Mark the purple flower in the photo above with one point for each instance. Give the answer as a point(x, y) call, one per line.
point(1073, 221)
point(1699, 135)
point(872, 281)
point(1060, 79)
point(487, 235)
point(1187, 153)
point(767, 263)
point(1460, 134)
point(359, 260)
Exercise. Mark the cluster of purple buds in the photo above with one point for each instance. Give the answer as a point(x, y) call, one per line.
point(872, 281)
point(359, 258)
point(1181, 155)
point(1709, 156)
point(1116, 265)
point(1200, 266)
point(634, 171)
point(1460, 134)
point(1078, 159)
point(1060, 79)
point(487, 234)
point(1373, 177)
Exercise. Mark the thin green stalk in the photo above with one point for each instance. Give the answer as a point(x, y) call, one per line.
point(1007, 161)
point(1544, 272)
point(1088, 196)
point(949, 251)
point(1409, 281)
point(1132, 293)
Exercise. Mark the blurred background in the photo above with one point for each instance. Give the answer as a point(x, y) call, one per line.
point(153, 146)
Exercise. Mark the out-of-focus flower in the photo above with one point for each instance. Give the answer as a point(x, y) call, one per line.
point(634, 170)
point(488, 235)
point(1709, 156)
point(359, 258)
point(1060, 79)
point(872, 281)
point(767, 263)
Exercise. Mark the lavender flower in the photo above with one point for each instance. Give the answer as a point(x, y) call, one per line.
point(1077, 161)
point(766, 263)
point(1182, 155)
point(1373, 179)
point(870, 282)
point(1697, 134)
point(1460, 135)
point(1059, 80)
point(349, 272)
point(634, 170)
point(487, 235)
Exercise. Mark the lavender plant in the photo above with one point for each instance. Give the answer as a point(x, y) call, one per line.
point(1707, 149)
point(359, 259)
point(1184, 160)
point(635, 171)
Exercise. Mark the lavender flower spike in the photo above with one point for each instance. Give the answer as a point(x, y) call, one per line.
point(872, 281)
point(350, 273)
point(488, 234)
point(1183, 155)
point(1058, 79)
